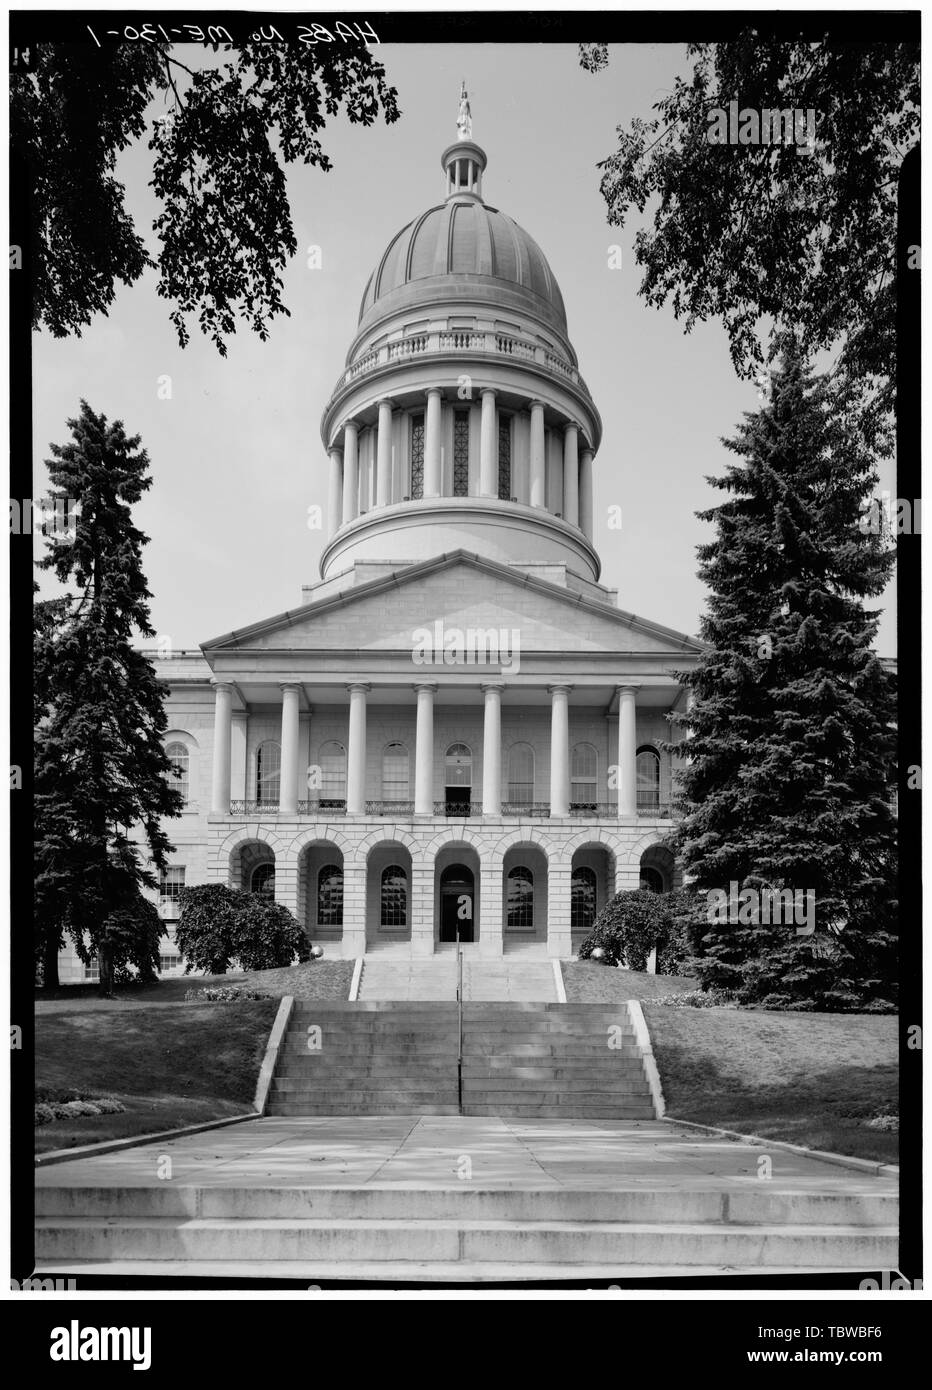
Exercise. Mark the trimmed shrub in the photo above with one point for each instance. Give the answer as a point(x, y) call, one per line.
point(634, 923)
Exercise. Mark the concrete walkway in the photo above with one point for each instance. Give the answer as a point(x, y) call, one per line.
point(427, 1152)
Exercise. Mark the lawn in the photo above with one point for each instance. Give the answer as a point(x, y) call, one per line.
point(172, 1066)
point(322, 979)
point(807, 1078)
point(587, 982)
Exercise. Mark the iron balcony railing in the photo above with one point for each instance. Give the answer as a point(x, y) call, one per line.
point(390, 808)
point(457, 808)
point(539, 809)
point(649, 807)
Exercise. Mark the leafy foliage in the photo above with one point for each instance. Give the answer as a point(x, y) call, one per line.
point(225, 229)
point(635, 922)
point(102, 777)
point(220, 925)
point(765, 233)
point(792, 722)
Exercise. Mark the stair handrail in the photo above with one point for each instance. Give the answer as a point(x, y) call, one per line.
point(459, 1020)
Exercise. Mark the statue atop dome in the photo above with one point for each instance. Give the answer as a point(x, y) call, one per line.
point(464, 116)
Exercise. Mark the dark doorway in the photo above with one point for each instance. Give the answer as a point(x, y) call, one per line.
point(457, 904)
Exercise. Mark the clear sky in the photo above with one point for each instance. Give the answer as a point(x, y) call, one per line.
point(236, 452)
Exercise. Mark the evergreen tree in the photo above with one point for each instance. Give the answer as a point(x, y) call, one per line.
point(793, 746)
point(103, 779)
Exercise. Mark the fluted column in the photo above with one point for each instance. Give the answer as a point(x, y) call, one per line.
point(223, 726)
point(424, 751)
point(488, 483)
point(335, 496)
point(559, 750)
point(288, 784)
point(538, 457)
point(492, 750)
point(350, 471)
point(432, 444)
point(356, 753)
point(627, 750)
point(383, 462)
point(585, 492)
point(571, 475)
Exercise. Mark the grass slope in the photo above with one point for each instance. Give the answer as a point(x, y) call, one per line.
point(323, 979)
point(807, 1078)
point(587, 982)
point(170, 1067)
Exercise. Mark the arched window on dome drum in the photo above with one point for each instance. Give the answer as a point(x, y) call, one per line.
point(648, 779)
point(395, 772)
point(394, 897)
point(582, 900)
point(268, 773)
point(520, 774)
point(520, 900)
point(461, 453)
point(263, 880)
point(330, 896)
point(504, 459)
point(180, 759)
point(417, 456)
point(332, 775)
point(584, 776)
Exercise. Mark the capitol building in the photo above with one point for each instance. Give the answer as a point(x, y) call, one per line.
point(456, 732)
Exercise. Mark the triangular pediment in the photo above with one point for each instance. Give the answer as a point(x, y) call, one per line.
point(459, 591)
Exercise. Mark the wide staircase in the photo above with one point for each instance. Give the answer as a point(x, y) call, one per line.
point(529, 1060)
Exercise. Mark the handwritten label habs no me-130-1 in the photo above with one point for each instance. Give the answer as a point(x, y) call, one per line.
point(308, 34)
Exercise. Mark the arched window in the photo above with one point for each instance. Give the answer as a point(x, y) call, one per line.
point(330, 896)
point(521, 774)
point(263, 880)
point(268, 773)
point(395, 772)
point(651, 879)
point(332, 774)
point(461, 453)
point(584, 776)
point(459, 766)
point(582, 900)
point(394, 897)
point(417, 456)
point(648, 778)
point(504, 458)
point(179, 776)
point(520, 901)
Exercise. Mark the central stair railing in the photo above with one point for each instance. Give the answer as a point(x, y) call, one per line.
point(459, 1022)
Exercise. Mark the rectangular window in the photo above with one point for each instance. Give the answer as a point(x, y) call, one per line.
point(92, 971)
point(461, 453)
point(171, 882)
point(168, 963)
point(417, 456)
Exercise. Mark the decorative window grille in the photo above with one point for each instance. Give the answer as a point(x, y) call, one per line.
point(461, 453)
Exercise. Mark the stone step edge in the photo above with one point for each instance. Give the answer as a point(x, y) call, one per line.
point(401, 1224)
point(861, 1165)
point(132, 1141)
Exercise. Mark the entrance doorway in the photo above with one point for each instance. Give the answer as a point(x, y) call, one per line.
point(457, 904)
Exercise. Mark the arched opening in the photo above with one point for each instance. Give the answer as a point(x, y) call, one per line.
point(592, 885)
point(252, 867)
point(457, 903)
point(524, 897)
point(268, 773)
point(262, 880)
point(332, 758)
point(179, 778)
point(584, 778)
point(648, 779)
point(395, 780)
point(388, 893)
point(458, 780)
point(321, 891)
point(520, 778)
point(657, 869)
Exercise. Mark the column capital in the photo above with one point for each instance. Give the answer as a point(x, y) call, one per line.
point(570, 425)
point(336, 449)
point(385, 400)
point(351, 423)
point(364, 686)
point(434, 391)
point(561, 685)
point(219, 684)
point(629, 688)
point(486, 686)
point(488, 391)
point(432, 686)
point(536, 401)
point(290, 685)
